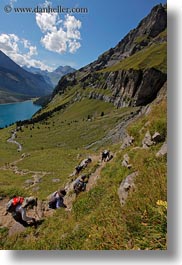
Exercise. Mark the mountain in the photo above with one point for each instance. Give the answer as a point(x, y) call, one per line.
point(131, 73)
point(17, 84)
point(53, 77)
point(117, 103)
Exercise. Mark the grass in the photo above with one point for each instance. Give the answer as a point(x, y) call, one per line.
point(97, 220)
point(141, 39)
point(8, 152)
point(156, 121)
point(57, 144)
point(154, 56)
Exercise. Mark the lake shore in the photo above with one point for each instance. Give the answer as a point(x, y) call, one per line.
point(17, 111)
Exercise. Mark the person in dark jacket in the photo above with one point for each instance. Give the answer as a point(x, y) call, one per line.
point(80, 184)
point(56, 199)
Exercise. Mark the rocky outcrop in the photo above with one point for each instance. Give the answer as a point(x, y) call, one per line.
point(156, 137)
point(147, 140)
point(134, 87)
point(125, 87)
point(127, 141)
point(126, 161)
point(126, 186)
point(135, 40)
point(162, 151)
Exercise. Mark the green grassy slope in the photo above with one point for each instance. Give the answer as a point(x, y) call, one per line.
point(97, 220)
point(153, 56)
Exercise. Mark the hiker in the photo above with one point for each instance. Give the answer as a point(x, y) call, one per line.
point(83, 165)
point(106, 155)
point(85, 162)
point(56, 199)
point(78, 169)
point(17, 206)
point(80, 184)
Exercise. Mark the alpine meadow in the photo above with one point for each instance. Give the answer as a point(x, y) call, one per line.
point(104, 124)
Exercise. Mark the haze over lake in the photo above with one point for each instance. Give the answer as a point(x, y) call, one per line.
point(12, 112)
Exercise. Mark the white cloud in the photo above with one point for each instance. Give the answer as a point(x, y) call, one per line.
point(11, 45)
point(74, 45)
point(9, 42)
point(55, 41)
point(60, 36)
point(46, 21)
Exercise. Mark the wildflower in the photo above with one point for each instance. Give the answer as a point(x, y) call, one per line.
point(162, 203)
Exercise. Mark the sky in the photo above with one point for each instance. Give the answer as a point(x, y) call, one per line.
point(76, 36)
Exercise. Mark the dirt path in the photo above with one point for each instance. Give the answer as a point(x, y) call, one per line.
point(70, 198)
point(8, 221)
point(42, 211)
point(35, 177)
point(12, 140)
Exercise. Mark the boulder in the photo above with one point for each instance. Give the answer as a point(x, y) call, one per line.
point(147, 140)
point(126, 186)
point(125, 162)
point(156, 137)
point(128, 140)
point(29, 182)
point(162, 151)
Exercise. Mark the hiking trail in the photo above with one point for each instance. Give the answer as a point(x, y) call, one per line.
point(71, 196)
point(12, 140)
point(42, 210)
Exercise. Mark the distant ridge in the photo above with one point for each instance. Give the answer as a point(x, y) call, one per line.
point(17, 84)
point(53, 77)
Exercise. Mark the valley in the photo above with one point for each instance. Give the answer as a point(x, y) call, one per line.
point(117, 103)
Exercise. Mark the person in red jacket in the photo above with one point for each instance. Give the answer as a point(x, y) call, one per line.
point(17, 206)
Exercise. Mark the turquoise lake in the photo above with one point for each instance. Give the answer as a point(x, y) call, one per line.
point(12, 112)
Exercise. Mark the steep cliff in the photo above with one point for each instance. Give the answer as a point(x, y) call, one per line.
point(132, 73)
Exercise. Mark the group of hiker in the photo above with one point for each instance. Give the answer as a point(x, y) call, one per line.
point(82, 165)
point(18, 206)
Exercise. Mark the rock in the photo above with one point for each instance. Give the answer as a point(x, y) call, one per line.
point(128, 140)
point(151, 83)
point(24, 155)
point(163, 150)
point(16, 229)
point(126, 87)
point(147, 141)
point(157, 137)
point(34, 189)
point(126, 186)
point(29, 182)
point(55, 180)
point(125, 162)
point(37, 179)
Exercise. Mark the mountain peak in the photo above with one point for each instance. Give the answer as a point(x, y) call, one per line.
point(132, 72)
point(149, 27)
point(64, 69)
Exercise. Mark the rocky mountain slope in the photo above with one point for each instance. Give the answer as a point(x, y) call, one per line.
point(16, 84)
point(130, 74)
point(121, 107)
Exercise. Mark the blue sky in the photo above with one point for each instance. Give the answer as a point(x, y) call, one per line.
point(48, 40)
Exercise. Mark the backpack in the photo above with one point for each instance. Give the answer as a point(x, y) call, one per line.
point(79, 186)
point(52, 200)
point(11, 206)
